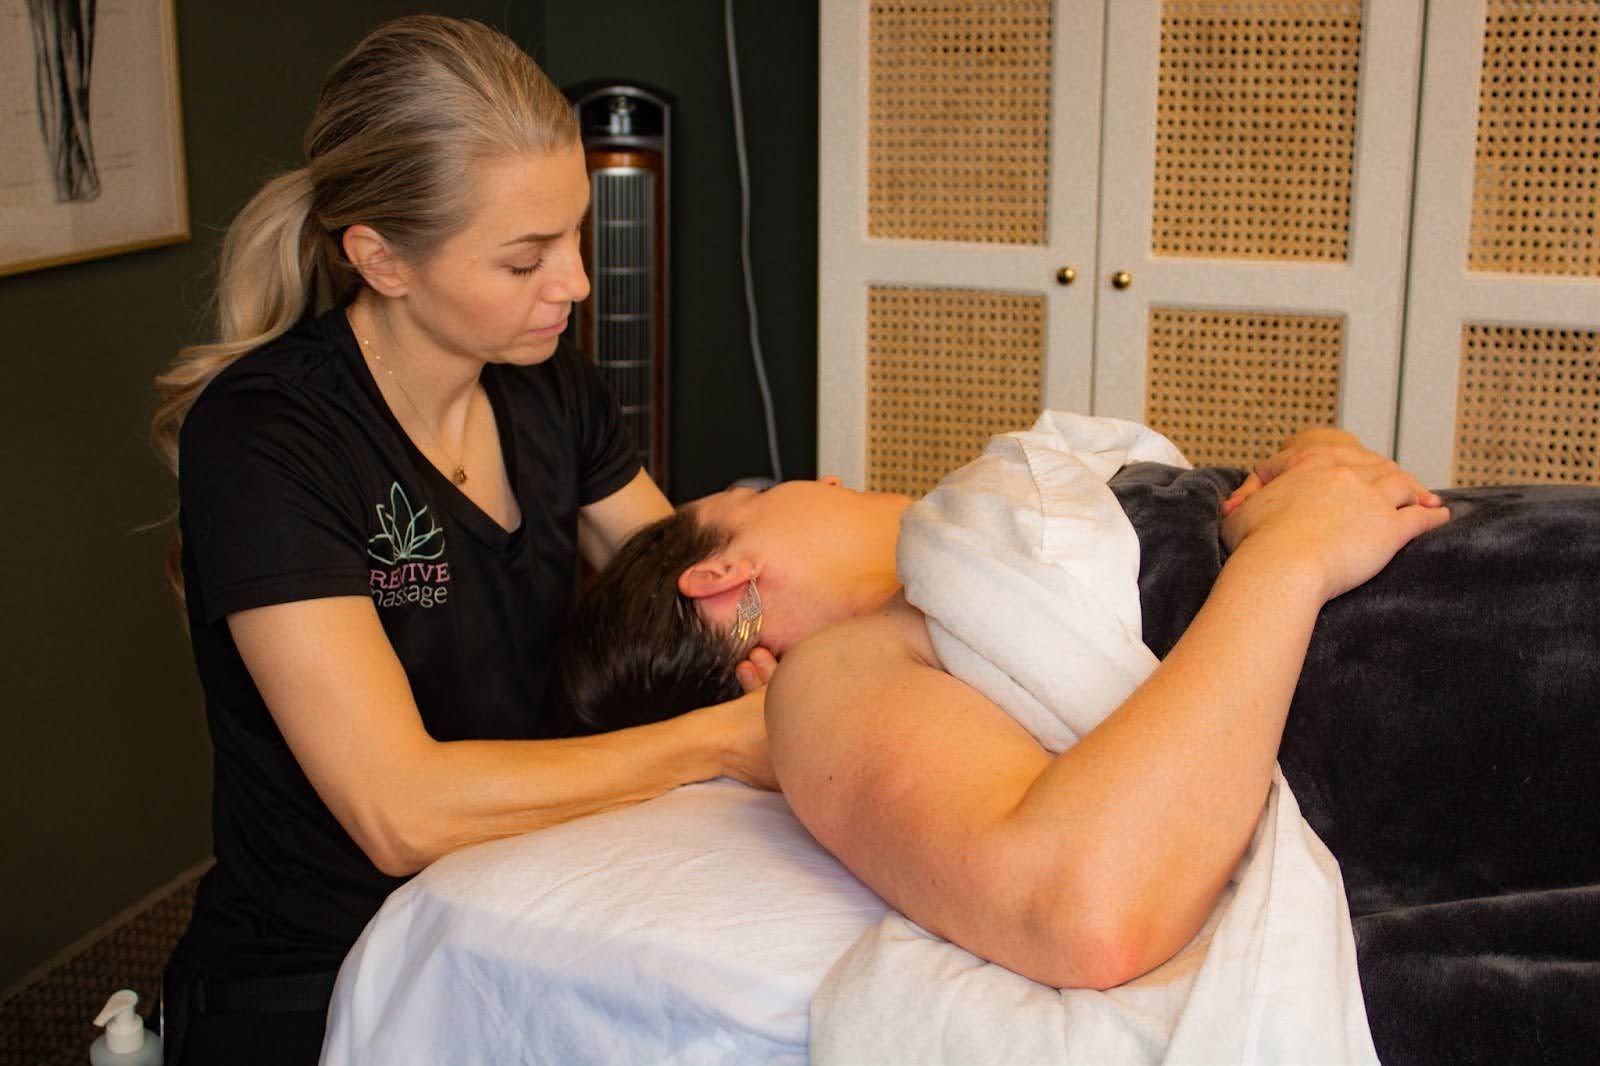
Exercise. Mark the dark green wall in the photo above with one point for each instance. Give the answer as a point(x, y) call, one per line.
point(103, 753)
point(678, 46)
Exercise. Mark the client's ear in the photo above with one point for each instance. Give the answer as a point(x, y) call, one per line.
point(715, 577)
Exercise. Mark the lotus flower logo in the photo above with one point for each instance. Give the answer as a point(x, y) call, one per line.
point(403, 538)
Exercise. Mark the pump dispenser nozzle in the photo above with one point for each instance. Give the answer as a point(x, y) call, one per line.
point(124, 1040)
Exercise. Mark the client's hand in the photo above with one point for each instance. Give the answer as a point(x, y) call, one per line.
point(1343, 520)
point(1324, 446)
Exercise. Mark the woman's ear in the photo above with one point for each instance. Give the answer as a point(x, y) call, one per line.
point(375, 260)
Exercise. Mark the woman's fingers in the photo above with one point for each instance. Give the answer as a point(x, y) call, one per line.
point(756, 669)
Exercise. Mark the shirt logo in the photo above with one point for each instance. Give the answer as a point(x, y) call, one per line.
point(407, 543)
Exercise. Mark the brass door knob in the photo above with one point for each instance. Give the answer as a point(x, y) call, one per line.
point(1066, 276)
point(1121, 279)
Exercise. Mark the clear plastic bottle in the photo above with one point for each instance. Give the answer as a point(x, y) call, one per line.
point(125, 1042)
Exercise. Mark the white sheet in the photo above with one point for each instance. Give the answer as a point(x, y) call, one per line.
point(1031, 526)
point(690, 929)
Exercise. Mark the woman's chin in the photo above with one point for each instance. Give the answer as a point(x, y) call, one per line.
point(531, 349)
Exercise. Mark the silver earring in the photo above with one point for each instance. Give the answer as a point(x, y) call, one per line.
point(747, 617)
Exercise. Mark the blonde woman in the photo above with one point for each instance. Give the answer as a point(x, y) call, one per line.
point(388, 467)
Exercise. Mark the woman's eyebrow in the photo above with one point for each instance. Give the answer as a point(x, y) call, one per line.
point(531, 238)
point(544, 238)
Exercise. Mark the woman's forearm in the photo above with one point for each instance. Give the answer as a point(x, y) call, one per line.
point(451, 794)
point(332, 683)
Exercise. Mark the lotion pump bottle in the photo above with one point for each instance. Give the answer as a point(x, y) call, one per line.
point(125, 1042)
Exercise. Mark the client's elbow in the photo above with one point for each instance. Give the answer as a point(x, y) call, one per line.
point(1085, 940)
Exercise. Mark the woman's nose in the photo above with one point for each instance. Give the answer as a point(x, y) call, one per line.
point(568, 281)
point(576, 283)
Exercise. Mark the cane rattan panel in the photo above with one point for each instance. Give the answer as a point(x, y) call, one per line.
point(959, 120)
point(46, 1019)
point(1528, 406)
point(1227, 387)
point(1255, 128)
point(1536, 189)
point(946, 370)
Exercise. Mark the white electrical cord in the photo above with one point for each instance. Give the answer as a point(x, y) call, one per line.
point(744, 243)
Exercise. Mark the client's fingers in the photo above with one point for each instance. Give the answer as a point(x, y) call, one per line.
point(1421, 519)
point(1397, 487)
point(1401, 488)
point(1249, 485)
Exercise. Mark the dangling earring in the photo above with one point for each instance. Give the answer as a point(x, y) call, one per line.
point(747, 617)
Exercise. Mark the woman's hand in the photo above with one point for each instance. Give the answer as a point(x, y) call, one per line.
point(1346, 519)
point(756, 669)
point(742, 723)
point(1321, 446)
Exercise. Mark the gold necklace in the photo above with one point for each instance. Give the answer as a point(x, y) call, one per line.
point(458, 473)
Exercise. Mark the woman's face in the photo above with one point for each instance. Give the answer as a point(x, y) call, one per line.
point(500, 289)
point(823, 552)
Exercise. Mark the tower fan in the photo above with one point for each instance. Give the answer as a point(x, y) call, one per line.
point(623, 326)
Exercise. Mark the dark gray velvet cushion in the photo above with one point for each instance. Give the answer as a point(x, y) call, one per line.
point(1444, 742)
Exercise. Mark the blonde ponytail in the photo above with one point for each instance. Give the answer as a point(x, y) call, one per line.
point(261, 291)
point(268, 267)
point(402, 119)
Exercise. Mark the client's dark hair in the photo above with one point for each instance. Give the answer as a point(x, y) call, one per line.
point(634, 649)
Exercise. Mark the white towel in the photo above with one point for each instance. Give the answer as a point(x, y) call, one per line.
point(1032, 526)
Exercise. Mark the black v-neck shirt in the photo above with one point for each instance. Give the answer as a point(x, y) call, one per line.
point(296, 482)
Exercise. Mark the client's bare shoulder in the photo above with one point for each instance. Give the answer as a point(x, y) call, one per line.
point(832, 707)
point(904, 773)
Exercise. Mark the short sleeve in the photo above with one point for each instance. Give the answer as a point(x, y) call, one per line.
point(266, 516)
point(608, 455)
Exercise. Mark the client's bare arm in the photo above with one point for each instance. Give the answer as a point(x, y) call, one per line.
point(1092, 867)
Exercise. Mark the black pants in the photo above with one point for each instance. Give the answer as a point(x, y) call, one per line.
point(276, 1021)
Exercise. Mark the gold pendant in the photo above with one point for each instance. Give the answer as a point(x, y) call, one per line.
point(459, 476)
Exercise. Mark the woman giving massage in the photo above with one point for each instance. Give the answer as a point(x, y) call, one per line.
point(994, 750)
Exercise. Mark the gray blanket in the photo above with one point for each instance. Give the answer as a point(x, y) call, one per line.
point(1443, 742)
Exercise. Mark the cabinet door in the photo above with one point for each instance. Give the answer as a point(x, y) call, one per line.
point(1255, 191)
point(1502, 374)
point(958, 162)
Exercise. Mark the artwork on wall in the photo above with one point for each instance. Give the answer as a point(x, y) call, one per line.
point(91, 146)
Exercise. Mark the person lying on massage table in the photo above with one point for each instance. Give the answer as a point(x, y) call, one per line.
point(1440, 743)
point(1086, 868)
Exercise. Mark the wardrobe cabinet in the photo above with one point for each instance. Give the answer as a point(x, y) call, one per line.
point(1227, 218)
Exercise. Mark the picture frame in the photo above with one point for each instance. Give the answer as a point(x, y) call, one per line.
point(91, 136)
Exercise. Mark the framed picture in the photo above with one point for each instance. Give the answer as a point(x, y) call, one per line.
point(91, 145)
